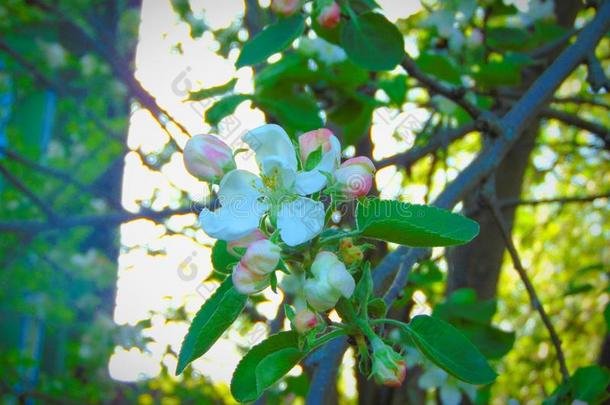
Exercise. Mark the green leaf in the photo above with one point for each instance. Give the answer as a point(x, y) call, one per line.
point(413, 225)
point(213, 318)
point(292, 67)
point(264, 365)
point(395, 88)
point(222, 260)
point(274, 38)
point(508, 38)
point(439, 66)
point(224, 107)
point(462, 304)
point(494, 343)
point(589, 384)
point(377, 308)
point(314, 159)
point(353, 117)
point(607, 316)
point(212, 91)
point(373, 42)
point(449, 349)
point(494, 74)
point(364, 288)
point(294, 111)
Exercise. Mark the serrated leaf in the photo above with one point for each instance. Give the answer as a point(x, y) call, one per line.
point(413, 225)
point(224, 107)
point(274, 38)
point(211, 91)
point(449, 349)
point(373, 42)
point(213, 318)
point(264, 365)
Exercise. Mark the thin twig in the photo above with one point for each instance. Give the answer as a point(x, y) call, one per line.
point(456, 94)
point(18, 184)
point(553, 200)
point(438, 140)
point(103, 220)
point(535, 301)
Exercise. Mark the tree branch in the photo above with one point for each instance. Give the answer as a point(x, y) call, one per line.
point(49, 213)
point(120, 69)
point(573, 120)
point(455, 94)
point(99, 221)
point(43, 169)
point(554, 200)
point(531, 291)
point(437, 141)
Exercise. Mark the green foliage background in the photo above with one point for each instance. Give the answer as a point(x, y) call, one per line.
point(64, 114)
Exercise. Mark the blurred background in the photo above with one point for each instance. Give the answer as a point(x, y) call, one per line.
point(102, 262)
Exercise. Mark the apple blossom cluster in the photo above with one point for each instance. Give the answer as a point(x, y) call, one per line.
point(328, 12)
point(275, 220)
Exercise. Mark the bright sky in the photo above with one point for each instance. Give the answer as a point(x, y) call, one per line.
point(161, 269)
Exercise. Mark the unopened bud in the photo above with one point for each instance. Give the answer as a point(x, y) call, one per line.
point(388, 368)
point(354, 177)
point(251, 274)
point(311, 141)
point(208, 158)
point(244, 242)
point(262, 257)
point(248, 282)
point(330, 16)
point(285, 7)
point(305, 320)
point(331, 281)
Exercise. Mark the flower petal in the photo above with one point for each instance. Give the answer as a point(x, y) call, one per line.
point(300, 220)
point(272, 141)
point(240, 209)
point(309, 182)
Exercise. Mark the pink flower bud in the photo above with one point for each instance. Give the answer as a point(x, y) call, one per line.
point(354, 177)
point(305, 320)
point(208, 158)
point(248, 282)
point(285, 7)
point(310, 141)
point(262, 257)
point(244, 242)
point(388, 368)
point(330, 16)
point(330, 281)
